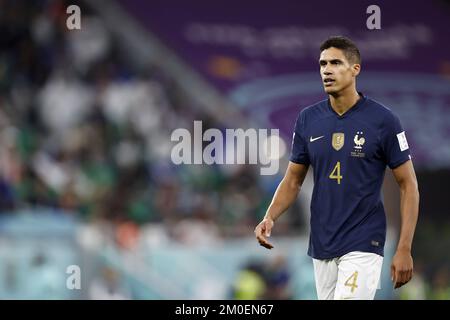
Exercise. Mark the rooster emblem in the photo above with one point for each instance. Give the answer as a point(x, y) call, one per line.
point(359, 141)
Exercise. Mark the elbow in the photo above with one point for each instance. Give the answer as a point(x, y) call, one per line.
point(412, 189)
point(293, 185)
point(415, 188)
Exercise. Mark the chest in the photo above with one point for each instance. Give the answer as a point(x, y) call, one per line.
point(342, 139)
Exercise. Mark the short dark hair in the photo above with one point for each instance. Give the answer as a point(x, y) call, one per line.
point(350, 50)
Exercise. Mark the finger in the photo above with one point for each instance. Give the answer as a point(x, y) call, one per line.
point(393, 273)
point(259, 230)
point(398, 282)
point(406, 276)
point(266, 245)
point(409, 275)
point(267, 228)
point(262, 241)
point(261, 238)
point(395, 279)
point(401, 279)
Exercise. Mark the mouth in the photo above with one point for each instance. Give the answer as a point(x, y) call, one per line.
point(328, 82)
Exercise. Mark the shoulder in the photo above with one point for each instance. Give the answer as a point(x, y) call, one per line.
point(381, 119)
point(378, 110)
point(314, 111)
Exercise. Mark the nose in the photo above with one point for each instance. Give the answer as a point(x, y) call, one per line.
point(326, 71)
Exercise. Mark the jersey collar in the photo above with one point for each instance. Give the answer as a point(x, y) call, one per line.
point(352, 109)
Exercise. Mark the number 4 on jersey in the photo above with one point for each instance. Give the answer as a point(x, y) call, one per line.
point(336, 173)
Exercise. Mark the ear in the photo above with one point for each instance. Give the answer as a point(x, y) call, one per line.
point(356, 68)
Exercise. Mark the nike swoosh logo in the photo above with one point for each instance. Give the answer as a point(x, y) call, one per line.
point(311, 139)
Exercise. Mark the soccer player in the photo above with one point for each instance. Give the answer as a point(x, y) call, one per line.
point(348, 140)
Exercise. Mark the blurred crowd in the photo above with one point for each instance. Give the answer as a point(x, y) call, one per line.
point(263, 280)
point(84, 131)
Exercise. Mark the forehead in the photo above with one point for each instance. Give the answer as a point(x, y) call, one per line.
point(332, 53)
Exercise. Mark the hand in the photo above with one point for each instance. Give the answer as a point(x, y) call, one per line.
point(401, 268)
point(262, 231)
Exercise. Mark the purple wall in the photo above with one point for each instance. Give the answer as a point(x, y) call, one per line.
point(263, 56)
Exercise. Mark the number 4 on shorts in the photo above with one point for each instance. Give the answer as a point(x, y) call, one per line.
point(351, 281)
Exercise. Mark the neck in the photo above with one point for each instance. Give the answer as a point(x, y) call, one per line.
point(343, 101)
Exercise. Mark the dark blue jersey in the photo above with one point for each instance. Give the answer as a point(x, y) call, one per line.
point(349, 155)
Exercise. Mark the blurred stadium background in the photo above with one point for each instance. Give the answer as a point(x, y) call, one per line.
point(85, 122)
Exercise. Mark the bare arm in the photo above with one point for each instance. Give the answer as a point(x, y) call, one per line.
point(402, 263)
point(283, 198)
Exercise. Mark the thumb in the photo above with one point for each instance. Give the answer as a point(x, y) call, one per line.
point(268, 228)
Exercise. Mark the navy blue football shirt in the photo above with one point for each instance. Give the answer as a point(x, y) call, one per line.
point(349, 154)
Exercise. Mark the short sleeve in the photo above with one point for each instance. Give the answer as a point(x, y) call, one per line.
point(299, 150)
point(394, 143)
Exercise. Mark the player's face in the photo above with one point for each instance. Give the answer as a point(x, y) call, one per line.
point(336, 71)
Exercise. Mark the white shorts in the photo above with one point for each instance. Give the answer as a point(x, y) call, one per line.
point(355, 275)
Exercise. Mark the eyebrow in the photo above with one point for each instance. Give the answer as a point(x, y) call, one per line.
point(331, 61)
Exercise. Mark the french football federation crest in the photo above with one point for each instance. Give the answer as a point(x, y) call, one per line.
point(337, 140)
point(359, 141)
